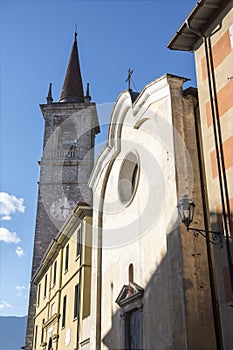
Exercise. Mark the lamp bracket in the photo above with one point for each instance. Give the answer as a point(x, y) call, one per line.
point(216, 236)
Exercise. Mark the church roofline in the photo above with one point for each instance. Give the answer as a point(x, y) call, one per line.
point(121, 106)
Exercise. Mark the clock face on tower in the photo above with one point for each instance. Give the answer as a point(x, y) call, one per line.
point(61, 208)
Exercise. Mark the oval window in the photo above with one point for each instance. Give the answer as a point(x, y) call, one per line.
point(128, 178)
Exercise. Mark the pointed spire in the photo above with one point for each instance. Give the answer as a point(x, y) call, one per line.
point(49, 98)
point(87, 98)
point(72, 90)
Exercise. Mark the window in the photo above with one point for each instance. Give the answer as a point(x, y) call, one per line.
point(45, 286)
point(54, 272)
point(76, 300)
point(79, 242)
point(131, 273)
point(67, 257)
point(128, 178)
point(42, 331)
point(52, 310)
point(64, 312)
point(35, 339)
point(38, 296)
point(50, 345)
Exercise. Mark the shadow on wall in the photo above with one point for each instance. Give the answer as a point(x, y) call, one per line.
point(176, 307)
point(222, 261)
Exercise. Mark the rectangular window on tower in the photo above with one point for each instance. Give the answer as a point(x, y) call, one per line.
point(66, 258)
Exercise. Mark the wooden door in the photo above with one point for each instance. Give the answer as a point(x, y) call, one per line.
point(134, 330)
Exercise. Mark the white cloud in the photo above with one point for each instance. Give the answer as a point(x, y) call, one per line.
point(4, 305)
point(19, 290)
point(6, 218)
point(10, 204)
point(19, 251)
point(7, 236)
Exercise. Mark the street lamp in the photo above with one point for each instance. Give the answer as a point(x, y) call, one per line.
point(186, 212)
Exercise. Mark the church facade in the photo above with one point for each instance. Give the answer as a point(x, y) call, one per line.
point(153, 273)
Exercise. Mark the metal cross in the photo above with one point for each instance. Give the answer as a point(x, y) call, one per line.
point(130, 72)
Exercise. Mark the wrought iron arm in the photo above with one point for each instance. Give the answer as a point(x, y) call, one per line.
point(216, 236)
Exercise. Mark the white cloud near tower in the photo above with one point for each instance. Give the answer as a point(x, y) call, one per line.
point(10, 205)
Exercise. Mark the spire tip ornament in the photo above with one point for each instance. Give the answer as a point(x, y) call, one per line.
point(49, 98)
point(87, 97)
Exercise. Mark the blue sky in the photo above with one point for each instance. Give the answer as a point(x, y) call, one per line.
point(36, 39)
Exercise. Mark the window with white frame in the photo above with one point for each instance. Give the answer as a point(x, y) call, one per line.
point(52, 309)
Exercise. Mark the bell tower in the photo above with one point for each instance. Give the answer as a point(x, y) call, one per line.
point(65, 166)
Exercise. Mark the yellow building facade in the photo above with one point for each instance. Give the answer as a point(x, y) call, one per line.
point(63, 286)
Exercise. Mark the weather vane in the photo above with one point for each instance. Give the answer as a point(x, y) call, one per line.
point(130, 72)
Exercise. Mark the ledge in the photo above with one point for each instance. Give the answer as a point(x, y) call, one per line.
point(52, 319)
